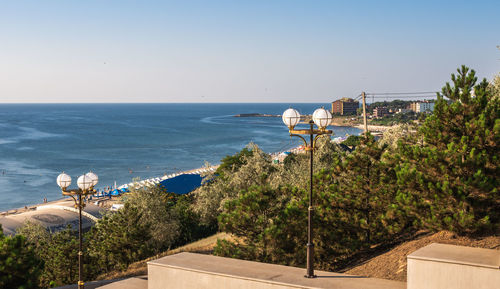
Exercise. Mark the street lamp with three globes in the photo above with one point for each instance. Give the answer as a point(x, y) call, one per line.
point(86, 185)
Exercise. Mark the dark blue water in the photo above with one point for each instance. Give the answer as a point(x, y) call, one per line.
point(123, 141)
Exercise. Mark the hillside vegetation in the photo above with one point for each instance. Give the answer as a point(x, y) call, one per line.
point(442, 175)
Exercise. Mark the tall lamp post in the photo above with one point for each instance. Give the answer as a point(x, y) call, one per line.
point(86, 185)
point(322, 118)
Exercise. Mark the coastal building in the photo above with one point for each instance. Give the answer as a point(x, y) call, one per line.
point(422, 106)
point(345, 106)
point(380, 111)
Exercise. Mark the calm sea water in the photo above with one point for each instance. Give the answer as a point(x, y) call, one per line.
point(120, 142)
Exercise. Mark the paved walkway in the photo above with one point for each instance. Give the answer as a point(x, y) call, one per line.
point(54, 216)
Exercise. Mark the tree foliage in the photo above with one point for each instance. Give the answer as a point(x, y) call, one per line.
point(394, 104)
point(397, 118)
point(249, 167)
point(19, 265)
point(255, 218)
point(234, 162)
point(450, 171)
point(353, 209)
point(120, 238)
point(152, 220)
point(352, 141)
point(443, 175)
point(59, 250)
point(155, 207)
point(61, 259)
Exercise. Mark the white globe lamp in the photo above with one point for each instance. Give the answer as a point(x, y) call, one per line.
point(63, 181)
point(322, 118)
point(291, 118)
point(84, 182)
point(93, 177)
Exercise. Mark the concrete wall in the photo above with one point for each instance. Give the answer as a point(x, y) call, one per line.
point(177, 278)
point(453, 267)
point(188, 270)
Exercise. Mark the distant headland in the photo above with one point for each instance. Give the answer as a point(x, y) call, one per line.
point(256, 115)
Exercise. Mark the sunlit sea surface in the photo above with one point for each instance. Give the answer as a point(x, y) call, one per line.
point(120, 142)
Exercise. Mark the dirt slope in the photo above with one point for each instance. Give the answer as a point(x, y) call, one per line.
point(392, 264)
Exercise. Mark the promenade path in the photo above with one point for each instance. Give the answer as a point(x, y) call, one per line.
point(54, 216)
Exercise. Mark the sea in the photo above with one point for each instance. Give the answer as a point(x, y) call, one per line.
point(121, 142)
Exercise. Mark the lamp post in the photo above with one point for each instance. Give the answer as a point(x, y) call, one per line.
point(86, 185)
point(322, 118)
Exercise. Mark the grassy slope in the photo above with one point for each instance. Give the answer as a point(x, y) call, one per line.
point(203, 246)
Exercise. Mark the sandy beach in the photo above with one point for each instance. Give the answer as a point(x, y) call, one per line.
point(380, 128)
point(340, 121)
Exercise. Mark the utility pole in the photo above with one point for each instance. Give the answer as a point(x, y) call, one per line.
point(364, 111)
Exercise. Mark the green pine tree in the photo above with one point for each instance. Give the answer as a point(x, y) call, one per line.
point(250, 217)
point(119, 239)
point(19, 265)
point(449, 173)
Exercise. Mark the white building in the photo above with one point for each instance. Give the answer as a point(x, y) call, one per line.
point(422, 106)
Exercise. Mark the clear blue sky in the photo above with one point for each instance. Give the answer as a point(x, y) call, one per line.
point(238, 51)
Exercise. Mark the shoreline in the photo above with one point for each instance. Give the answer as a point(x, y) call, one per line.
point(62, 199)
point(144, 182)
point(375, 128)
point(371, 127)
point(57, 214)
point(140, 183)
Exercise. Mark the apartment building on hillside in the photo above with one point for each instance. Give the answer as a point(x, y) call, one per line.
point(345, 106)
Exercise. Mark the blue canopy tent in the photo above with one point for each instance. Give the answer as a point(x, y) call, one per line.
point(124, 190)
point(115, 192)
point(182, 184)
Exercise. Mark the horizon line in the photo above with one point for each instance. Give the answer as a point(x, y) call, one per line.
point(1, 103)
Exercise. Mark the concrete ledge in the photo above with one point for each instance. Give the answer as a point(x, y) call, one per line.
point(89, 285)
point(130, 283)
point(454, 267)
point(189, 270)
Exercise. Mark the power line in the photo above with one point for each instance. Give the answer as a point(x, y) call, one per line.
point(403, 96)
point(401, 93)
point(398, 95)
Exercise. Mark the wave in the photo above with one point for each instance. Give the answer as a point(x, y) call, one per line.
point(25, 148)
point(13, 170)
point(28, 133)
point(212, 119)
point(6, 141)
